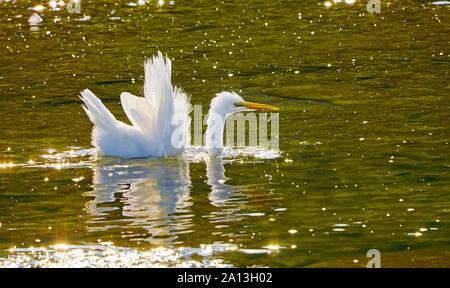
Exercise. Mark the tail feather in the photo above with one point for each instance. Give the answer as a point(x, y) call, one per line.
point(96, 111)
point(157, 84)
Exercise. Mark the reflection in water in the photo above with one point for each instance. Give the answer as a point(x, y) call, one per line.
point(148, 192)
point(154, 195)
point(227, 198)
point(215, 172)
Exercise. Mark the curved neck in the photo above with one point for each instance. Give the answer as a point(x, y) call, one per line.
point(214, 132)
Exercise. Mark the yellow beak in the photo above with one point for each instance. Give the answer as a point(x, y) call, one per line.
point(257, 106)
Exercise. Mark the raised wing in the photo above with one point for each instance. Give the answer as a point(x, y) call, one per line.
point(140, 112)
point(96, 111)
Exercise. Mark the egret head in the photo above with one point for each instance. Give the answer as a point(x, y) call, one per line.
point(229, 103)
point(222, 106)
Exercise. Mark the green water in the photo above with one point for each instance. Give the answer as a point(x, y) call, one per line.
point(364, 115)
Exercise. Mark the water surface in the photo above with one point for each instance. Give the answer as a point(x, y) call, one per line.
point(364, 135)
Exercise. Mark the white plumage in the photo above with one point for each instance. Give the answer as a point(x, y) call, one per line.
point(161, 115)
point(160, 121)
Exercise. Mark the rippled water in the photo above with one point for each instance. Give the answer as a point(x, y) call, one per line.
point(363, 135)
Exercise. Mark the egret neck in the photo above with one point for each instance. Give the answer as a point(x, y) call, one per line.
point(214, 132)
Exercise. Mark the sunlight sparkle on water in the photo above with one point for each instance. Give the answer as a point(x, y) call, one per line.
point(363, 165)
point(108, 255)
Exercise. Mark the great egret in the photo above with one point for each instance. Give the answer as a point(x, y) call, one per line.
point(160, 121)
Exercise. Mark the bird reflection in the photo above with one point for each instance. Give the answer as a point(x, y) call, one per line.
point(154, 195)
point(148, 193)
point(215, 172)
point(227, 198)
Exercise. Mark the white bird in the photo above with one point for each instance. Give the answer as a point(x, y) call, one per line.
point(151, 117)
point(160, 121)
